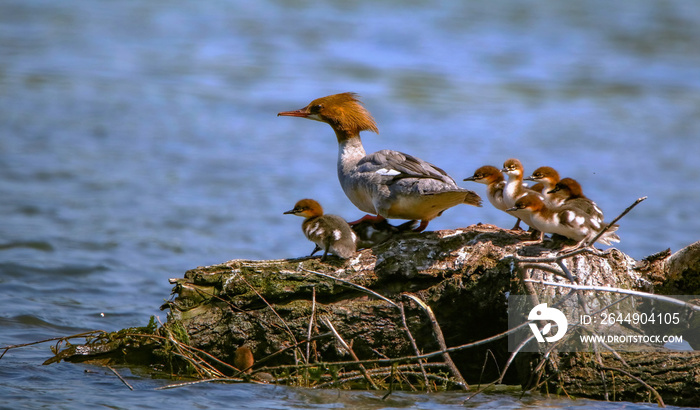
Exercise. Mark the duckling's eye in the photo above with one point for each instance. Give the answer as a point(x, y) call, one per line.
point(315, 108)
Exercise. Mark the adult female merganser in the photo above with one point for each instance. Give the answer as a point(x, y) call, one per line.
point(547, 177)
point(516, 189)
point(388, 184)
point(569, 220)
point(330, 233)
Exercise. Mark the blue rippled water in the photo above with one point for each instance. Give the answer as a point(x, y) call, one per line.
point(139, 140)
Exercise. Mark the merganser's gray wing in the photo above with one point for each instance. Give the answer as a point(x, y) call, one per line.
point(397, 165)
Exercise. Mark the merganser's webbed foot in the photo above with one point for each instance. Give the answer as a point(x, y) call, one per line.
point(408, 226)
point(516, 227)
point(374, 219)
point(316, 249)
point(422, 226)
point(371, 233)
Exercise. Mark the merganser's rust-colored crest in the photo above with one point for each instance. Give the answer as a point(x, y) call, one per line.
point(344, 112)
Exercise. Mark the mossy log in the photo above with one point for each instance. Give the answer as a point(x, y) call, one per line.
point(463, 276)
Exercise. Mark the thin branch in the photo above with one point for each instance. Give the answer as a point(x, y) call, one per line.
point(294, 346)
point(355, 285)
point(659, 400)
point(414, 345)
point(547, 268)
point(440, 339)
point(347, 347)
point(120, 378)
point(59, 339)
point(311, 324)
point(629, 208)
point(566, 270)
point(217, 379)
point(408, 359)
point(384, 374)
point(289, 331)
point(620, 291)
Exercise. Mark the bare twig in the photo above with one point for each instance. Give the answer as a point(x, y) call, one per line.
point(381, 374)
point(414, 345)
point(5, 349)
point(621, 291)
point(311, 324)
point(347, 348)
point(659, 400)
point(547, 268)
point(294, 346)
point(440, 339)
point(354, 285)
point(408, 359)
point(217, 379)
point(566, 270)
point(608, 226)
point(120, 378)
point(289, 331)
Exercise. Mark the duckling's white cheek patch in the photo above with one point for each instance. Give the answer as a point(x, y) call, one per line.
point(387, 172)
point(315, 117)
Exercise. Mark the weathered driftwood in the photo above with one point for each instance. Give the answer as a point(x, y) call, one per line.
point(364, 309)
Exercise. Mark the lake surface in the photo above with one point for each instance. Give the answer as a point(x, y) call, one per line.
point(140, 139)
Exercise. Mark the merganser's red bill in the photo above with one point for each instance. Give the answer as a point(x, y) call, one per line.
point(296, 113)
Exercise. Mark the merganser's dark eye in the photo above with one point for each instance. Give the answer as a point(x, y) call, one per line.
point(314, 109)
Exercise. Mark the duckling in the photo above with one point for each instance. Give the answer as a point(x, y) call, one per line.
point(546, 178)
point(330, 233)
point(569, 192)
point(569, 220)
point(516, 189)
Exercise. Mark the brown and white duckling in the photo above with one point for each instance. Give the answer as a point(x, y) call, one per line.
point(546, 178)
point(516, 189)
point(330, 233)
point(569, 220)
